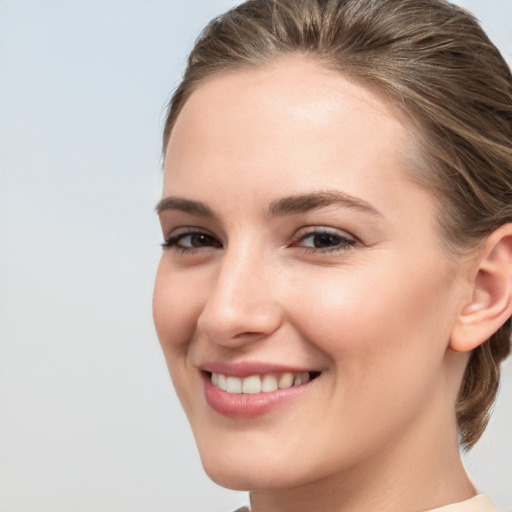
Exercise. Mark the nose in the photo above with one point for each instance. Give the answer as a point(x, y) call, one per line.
point(242, 306)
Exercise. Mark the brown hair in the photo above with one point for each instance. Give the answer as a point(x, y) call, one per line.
point(433, 59)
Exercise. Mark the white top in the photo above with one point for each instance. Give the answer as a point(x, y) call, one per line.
point(478, 503)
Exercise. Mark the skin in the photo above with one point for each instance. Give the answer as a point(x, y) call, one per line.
point(376, 316)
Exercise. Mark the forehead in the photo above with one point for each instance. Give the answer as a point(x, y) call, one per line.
point(294, 119)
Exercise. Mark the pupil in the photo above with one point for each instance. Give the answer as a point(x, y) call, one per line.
point(200, 240)
point(325, 240)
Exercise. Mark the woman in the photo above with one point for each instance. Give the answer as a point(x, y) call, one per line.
point(335, 291)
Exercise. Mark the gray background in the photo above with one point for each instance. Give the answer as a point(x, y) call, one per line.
point(88, 418)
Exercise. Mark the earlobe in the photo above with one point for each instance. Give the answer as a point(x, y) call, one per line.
point(491, 299)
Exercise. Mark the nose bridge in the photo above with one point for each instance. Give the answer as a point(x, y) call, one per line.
point(242, 302)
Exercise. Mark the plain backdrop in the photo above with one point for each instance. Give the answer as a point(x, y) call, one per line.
point(88, 417)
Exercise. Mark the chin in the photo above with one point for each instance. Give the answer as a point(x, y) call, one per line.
point(264, 468)
point(250, 476)
point(240, 470)
point(236, 481)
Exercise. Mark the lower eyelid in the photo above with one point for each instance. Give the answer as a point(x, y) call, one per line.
point(342, 247)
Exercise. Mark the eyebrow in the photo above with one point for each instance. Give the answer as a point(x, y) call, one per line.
point(185, 205)
point(300, 203)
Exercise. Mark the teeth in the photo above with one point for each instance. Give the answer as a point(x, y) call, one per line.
point(286, 381)
point(269, 383)
point(259, 384)
point(233, 385)
point(251, 385)
point(221, 381)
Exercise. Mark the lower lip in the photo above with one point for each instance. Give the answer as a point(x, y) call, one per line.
point(245, 405)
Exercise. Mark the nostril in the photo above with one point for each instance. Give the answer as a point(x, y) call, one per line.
point(248, 334)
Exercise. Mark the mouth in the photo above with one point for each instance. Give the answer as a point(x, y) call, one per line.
point(266, 383)
point(251, 394)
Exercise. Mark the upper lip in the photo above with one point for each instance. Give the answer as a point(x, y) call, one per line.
point(243, 369)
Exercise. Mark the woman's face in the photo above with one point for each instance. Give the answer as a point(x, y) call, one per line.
point(299, 251)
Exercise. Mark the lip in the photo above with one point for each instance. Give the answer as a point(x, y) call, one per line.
point(244, 369)
point(248, 406)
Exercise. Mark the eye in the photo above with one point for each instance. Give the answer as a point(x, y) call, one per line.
point(324, 240)
point(191, 240)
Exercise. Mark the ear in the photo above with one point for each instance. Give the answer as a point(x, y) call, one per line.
point(491, 299)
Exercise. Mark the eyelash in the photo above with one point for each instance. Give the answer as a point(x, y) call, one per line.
point(343, 242)
point(172, 242)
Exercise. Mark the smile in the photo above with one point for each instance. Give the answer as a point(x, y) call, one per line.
point(254, 384)
point(251, 394)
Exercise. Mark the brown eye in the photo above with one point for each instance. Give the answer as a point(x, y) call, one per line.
point(196, 240)
point(189, 241)
point(329, 240)
point(325, 240)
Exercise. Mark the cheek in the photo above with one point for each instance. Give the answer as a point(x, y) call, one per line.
point(386, 343)
point(176, 306)
point(385, 318)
